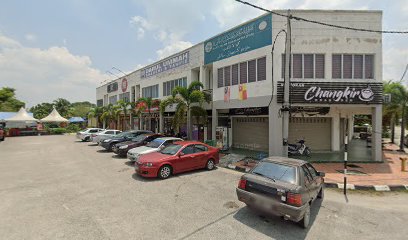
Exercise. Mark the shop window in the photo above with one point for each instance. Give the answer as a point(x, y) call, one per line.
point(99, 102)
point(252, 71)
point(227, 76)
point(234, 74)
point(243, 74)
point(261, 69)
point(319, 65)
point(297, 66)
point(220, 82)
point(152, 91)
point(169, 86)
point(305, 66)
point(308, 65)
point(349, 66)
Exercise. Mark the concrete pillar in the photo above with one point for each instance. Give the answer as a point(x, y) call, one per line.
point(214, 122)
point(203, 75)
point(376, 136)
point(335, 133)
point(350, 127)
point(161, 123)
point(275, 131)
point(205, 133)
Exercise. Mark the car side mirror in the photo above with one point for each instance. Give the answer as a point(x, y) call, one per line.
point(321, 174)
point(181, 154)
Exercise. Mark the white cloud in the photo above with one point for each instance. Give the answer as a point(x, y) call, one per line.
point(173, 48)
point(42, 75)
point(30, 37)
point(141, 25)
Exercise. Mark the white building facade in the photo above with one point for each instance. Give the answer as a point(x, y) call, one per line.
point(335, 75)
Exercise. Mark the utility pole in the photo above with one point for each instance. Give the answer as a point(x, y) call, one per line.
point(286, 106)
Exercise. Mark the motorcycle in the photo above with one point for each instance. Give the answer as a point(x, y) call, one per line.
point(299, 149)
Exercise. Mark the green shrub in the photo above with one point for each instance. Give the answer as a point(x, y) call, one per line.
point(73, 128)
point(57, 130)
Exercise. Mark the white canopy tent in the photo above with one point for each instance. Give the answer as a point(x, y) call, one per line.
point(54, 116)
point(21, 116)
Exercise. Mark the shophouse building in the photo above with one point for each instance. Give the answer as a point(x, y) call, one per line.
point(336, 74)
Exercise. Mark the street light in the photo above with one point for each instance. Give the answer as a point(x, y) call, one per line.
point(119, 70)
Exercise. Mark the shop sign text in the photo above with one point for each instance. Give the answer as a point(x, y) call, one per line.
point(165, 65)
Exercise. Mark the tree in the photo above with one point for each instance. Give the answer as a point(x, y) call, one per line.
point(110, 115)
point(187, 100)
point(81, 109)
point(63, 106)
point(124, 107)
point(96, 112)
point(397, 108)
point(147, 104)
point(41, 110)
point(8, 101)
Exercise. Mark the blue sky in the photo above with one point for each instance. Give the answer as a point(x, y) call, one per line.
point(51, 49)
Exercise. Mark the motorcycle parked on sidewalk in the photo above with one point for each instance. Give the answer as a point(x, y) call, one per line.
point(299, 149)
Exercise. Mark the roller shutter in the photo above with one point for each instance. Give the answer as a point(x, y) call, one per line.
point(315, 131)
point(250, 133)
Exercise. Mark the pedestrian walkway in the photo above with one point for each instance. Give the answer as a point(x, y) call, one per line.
point(368, 174)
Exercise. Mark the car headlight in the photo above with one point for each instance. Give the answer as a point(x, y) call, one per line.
point(123, 146)
point(148, 164)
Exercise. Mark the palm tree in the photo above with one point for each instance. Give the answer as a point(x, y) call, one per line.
point(188, 101)
point(63, 106)
point(124, 106)
point(397, 107)
point(96, 112)
point(147, 104)
point(110, 115)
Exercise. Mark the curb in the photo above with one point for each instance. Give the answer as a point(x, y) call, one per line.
point(378, 188)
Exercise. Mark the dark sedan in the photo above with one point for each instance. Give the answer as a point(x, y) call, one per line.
point(122, 148)
point(122, 137)
point(283, 187)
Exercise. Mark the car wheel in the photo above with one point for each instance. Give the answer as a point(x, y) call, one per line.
point(210, 165)
point(110, 148)
point(2, 139)
point(321, 193)
point(304, 223)
point(164, 172)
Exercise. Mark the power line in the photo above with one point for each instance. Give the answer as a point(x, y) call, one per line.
point(321, 23)
point(405, 72)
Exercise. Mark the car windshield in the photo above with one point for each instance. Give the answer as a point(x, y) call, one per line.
point(171, 149)
point(276, 171)
point(155, 143)
point(138, 138)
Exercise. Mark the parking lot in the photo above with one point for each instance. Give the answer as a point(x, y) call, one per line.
point(55, 187)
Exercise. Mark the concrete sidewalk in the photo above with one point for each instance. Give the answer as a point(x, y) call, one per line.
point(386, 173)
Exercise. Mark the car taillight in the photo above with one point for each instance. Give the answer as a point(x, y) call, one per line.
point(242, 184)
point(294, 199)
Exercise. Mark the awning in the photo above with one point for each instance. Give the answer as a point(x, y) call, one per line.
point(54, 116)
point(76, 120)
point(21, 116)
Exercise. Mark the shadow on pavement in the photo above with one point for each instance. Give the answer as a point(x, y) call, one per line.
point(93, 144)
point(103, 151)
point(116, 156)
point(276, 227)
point(130, 163)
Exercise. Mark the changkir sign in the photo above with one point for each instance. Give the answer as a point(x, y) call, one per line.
point(333, 92)
point(165, 65)
point(245, 38)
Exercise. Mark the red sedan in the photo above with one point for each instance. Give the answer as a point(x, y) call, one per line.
point(176, 158)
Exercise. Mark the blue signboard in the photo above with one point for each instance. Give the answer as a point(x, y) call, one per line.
point(245, 38)
point(167, 64)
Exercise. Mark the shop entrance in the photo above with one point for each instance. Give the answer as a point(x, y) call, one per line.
point(250, 133)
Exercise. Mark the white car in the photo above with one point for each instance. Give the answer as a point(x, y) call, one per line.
point(85, 135)
point(153, 146)
point(100, 136)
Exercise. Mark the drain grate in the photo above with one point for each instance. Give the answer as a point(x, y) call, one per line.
point(352, 172)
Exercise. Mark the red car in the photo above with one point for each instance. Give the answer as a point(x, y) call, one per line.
point(176, 158)
point(2, 134)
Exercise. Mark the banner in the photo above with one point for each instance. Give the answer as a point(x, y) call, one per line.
point(227, 93)
point(242, 92)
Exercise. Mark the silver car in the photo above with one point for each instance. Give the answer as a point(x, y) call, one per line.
point(85, 135)
point(100, 136)
point(153, 146)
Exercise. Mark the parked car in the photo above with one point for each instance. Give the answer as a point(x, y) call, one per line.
point(122, 137)
point(153, 146)
point(283, 187)
point(122, 148)
point(85, 135)
point(100, 136)
point(2, 134)
point(176, 158)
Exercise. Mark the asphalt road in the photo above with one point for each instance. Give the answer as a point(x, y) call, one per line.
point(53, 187)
